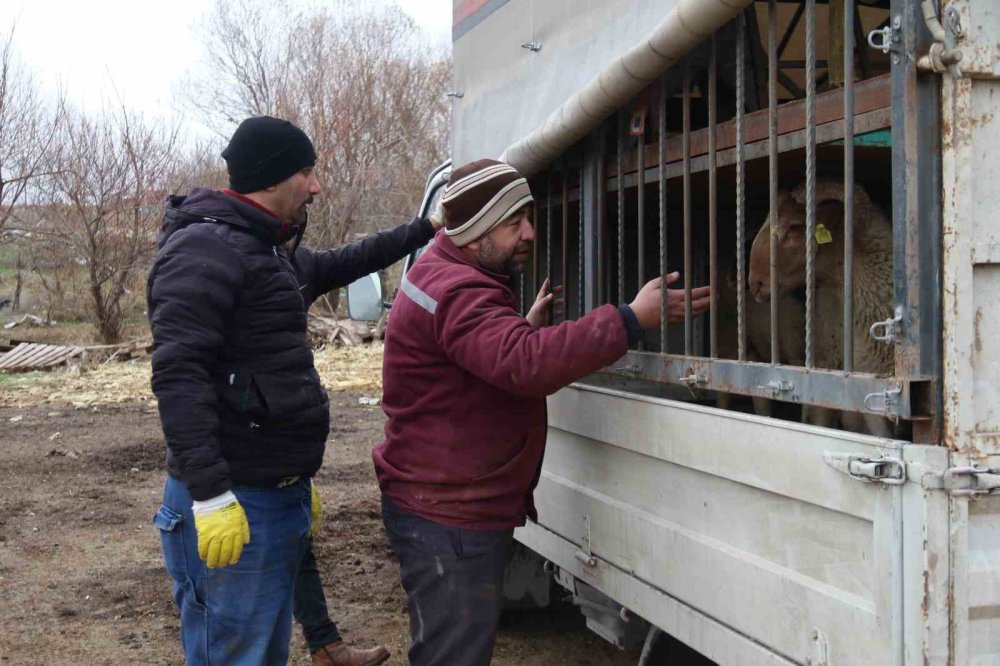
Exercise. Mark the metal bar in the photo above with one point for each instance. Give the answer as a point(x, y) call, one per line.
point(688, 318)
point(772, 105)
point(565, 242)
point(640, 214)
point(535, 283)
point(810, 6)
point(600, 191)
point(662, 173)
point(621, 208)
point(741, 272)
point(713, 203)
point(869, 122)
point(580, 244)
point(848, 28)
point(548, 227)
point(823, 388)
point(918, 227)
point(790, 30)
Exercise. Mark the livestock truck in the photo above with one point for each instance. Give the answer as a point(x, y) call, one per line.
point(809, 473)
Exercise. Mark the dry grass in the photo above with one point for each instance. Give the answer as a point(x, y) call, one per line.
point(342, 368)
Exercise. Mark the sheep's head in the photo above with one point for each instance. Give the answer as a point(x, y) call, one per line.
point(790, 231)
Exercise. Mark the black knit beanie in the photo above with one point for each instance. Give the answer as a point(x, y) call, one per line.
point(265, 151)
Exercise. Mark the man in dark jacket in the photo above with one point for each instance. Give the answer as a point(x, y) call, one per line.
point(243, 410)
point(465, 381)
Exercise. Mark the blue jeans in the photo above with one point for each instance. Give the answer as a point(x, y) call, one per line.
point(309, 606)
point(240, 614)
point(454, 582)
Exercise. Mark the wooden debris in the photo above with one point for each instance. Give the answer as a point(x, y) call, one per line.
point(330, 330)
point(28, 319)
point(32, 356)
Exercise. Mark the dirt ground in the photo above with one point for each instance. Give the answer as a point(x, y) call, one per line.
point(81, 575)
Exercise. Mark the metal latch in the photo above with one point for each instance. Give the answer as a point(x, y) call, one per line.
point(881, 469)
point(887, 39)
point(973, 480)
point(888, 331)
point(884, 402)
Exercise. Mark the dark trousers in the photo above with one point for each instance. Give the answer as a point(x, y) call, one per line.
point(453, 580)
point(309, 604)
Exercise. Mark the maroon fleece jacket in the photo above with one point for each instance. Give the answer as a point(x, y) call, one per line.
point(465, 379)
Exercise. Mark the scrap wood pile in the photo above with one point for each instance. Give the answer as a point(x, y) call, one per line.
point(331, 330)
point(24, 356)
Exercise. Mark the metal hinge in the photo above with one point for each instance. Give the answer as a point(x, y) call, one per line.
point(965, 481)
point(888, 331)
point(881, 469)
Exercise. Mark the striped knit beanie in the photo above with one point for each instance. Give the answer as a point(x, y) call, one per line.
point(479, 196)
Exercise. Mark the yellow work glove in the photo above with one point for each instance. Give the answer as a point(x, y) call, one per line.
point(222, 530)
point(317, 512)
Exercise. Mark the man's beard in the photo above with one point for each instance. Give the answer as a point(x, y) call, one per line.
point(492, 259)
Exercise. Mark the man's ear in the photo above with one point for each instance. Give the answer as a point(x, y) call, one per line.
point(473, 246)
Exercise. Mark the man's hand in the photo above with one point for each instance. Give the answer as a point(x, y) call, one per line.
point(538, 315)
point(646, 305)
point(437, 217)
point(317, 512)
point(222, 529)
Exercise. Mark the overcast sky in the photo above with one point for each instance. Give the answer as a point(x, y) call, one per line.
point(133, 51)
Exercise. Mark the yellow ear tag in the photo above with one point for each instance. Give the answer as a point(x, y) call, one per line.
point(823, 235)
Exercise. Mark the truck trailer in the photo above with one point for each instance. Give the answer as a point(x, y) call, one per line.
point(808, 474)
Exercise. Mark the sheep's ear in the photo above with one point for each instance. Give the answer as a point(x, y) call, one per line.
point(830, 214)
point(793, 238)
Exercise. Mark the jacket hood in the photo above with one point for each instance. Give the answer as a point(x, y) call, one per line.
point(206, 205)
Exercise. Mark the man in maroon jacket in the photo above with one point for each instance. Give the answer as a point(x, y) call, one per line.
point(465, 381)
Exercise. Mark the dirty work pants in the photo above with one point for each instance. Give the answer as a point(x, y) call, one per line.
point(240, 614)
point(309, 606)
point(453, 580)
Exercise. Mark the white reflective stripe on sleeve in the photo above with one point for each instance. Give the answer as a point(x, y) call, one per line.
point(418, 296)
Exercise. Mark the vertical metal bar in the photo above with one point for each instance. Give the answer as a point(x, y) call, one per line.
point(640, 193)
point(548, 227)
point(810, 178)
point(565, 242)
point(580, 240)
point(535, 283)
point(917, 215)
point(686, 143)
point(848, 28)
point(741, 279)
point(713, 205)
point(662, 159)
point(621, 208)
point(601, 196)
point(772, 143)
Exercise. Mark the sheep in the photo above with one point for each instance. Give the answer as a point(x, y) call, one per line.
point(791, 333)
point(873, 284)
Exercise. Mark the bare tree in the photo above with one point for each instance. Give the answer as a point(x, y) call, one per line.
point(26, 131)
point(104, 204)
point(360, 81)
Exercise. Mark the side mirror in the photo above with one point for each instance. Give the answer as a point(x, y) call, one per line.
point(364, 298)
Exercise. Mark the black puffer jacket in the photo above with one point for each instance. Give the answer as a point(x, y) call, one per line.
point(240, 400)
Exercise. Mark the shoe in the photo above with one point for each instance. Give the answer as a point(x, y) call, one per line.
point(340, 654)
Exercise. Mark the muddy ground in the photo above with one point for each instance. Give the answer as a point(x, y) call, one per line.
point(81, 576)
